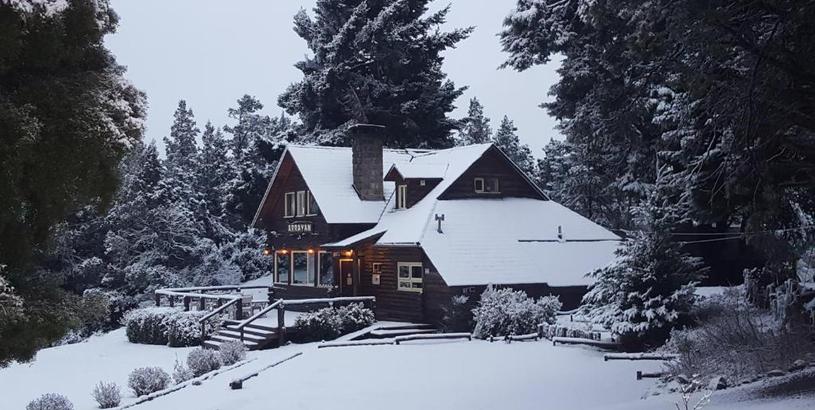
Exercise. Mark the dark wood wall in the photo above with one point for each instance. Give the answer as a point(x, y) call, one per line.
point(272, 219)
point(391, 303)
point(493, 164)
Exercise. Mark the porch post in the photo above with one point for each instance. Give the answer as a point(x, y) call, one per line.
point(356, 270)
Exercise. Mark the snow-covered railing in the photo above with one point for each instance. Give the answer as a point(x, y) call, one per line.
point(190, 294)
point(203, 321)
point(281, 304)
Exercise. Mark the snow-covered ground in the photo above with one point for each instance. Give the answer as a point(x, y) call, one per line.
point(444, 375)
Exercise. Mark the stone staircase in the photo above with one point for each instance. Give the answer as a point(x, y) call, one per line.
point(255, 337)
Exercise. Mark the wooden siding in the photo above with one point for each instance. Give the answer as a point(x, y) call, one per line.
point(391, 303)
point(493, 164)
point(272, 216)
point(415, 190)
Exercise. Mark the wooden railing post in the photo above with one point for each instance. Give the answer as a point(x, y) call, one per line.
point(186, 301)
point(203, 332)
point(158, 298)
point(202, 303)
point(239, 310)
point(281, 325)
point(172, 300)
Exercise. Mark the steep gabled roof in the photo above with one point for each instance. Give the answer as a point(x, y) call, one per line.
point(495, 240)
point(328, 174)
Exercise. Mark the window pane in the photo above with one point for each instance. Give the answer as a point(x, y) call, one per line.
point(491, 185)
point(479, 184)
point(416, 272)
point(405, 285)
point(282, 264)
point(404, 271)
point(299, 268)
point(301, 203)
point(313, 209)
point(326, 269)
point(417, 285)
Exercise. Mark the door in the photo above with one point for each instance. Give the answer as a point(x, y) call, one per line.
point(346, 277)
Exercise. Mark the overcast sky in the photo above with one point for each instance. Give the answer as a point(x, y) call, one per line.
point(211, 52)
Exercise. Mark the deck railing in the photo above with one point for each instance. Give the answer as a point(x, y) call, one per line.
point(280, 305)
point(224, 301)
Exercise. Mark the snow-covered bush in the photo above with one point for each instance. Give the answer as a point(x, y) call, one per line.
point(354, 317)
point(50, 401)
point(108, 395)
point(232, 352)
point(329, 323)
point(183, 328)
point(181, 372)
point(458, 317)
point(146, 380)
point(505, 311)
point(734, 339)
point(202, 361)
point(148, 325)
point(163, 325)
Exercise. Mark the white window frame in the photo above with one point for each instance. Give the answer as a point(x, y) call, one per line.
point(401, 196)
point(411, 280)
point(483, 182)
point(309, 211)
point(288, 212)
point(301, 203)
point(319, 272)
point(309, 267)
point(276, 276)
point(476, 181)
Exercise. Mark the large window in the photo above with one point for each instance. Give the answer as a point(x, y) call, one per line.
point(401, 196)
point(409, 276)
point(302, 268)
point(282, 266)
point(300, 203)
point(326, 277)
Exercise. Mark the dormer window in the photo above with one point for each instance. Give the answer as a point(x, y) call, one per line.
point(401, 196)
point(486, 185)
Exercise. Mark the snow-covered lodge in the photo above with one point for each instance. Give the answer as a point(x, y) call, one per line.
point(415, 227)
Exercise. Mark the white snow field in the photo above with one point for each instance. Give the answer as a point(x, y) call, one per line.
point(430, 375)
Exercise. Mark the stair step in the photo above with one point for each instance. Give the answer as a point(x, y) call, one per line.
point(251, 326)
point(399, 332)
point(406, 326)
point(246, 335)
point(254, 331)
point(225, 338)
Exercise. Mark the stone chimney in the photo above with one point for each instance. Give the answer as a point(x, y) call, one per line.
point(366, 154)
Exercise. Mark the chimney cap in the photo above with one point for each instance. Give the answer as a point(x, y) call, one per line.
point(366, 130)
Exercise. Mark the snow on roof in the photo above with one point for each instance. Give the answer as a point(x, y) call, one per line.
point(328, 173)
point(515, 241)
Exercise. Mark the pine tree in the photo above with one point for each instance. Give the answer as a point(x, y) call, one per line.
point(257, 143)
point(375, 62)
point(476, 126)
point(650, 288)
point(182, 156)
point(506, 138)
point(67, 117)
point(720, 116)
point(214, 169)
